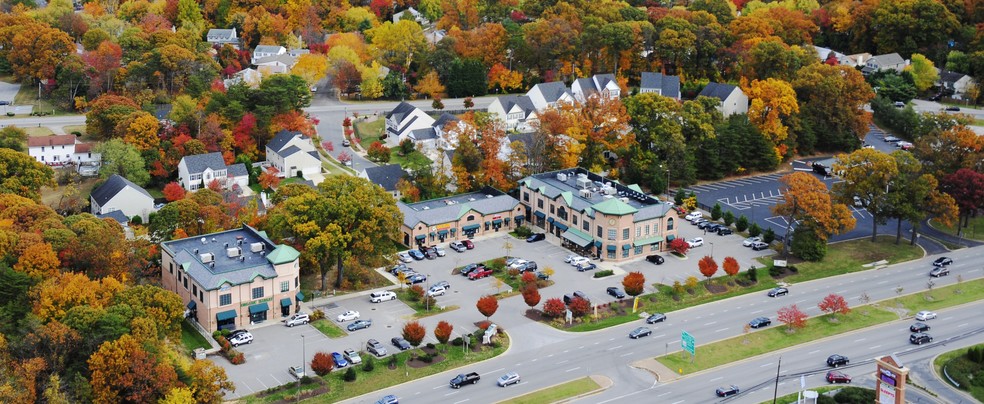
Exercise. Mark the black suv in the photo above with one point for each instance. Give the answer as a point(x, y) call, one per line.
point(919, 327)
point(942, 261)
point(920, 338)
point(615, 292)
point(837, 360)
point(724, 231)
point(471, 267)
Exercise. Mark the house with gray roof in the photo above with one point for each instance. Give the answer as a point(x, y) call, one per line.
point(403, 120)
point(292, 154)
point(118, 194)
point(659, 83)
point(386, 177)
point(595, 215)
point(262, 51)
point(514, 111)
point(548, 95)
point(953, 82)
point(198, 171)
point(458, 217)
point(232, 279)
point(275, 64)
point(733, 100)
point(217, 36)
point(603, 85)
point(891, 61)
point(412, 14)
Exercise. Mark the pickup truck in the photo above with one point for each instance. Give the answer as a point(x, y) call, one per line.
point(461, 380)
point(480, 273)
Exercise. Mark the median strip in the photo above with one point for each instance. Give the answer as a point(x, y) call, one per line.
point(573, 389)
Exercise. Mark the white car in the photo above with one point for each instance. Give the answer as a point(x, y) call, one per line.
point(297, 319)
point(751, 240)
point(579, 261)
point(352, 356)
point(925, 315)
point(457, 246)
point(517, 264)
point(241, 339)
point(436, 291)
point(440, 251)
point(695, 242)
point(405, 257)
point(296, 371)
point(376, 297)
point(571, 257)
point(693, 216)
point(348, 315)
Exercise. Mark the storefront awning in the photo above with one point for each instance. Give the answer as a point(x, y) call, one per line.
point(470, 227)
point(192, 305)
point(285, 302)
point(626, 246)
point(442, 233)
point(612, 248)
point(577, 237)
point(647, 241)
point(420, 237)
point(258, 308)
point(598, 244)
point(670, 237)
point(497, 222)
point(299, 296)
point(432, 234)
point(540, 215)
point(562, 227)
point(520, 217)
point(550, 220)
point(226, 315)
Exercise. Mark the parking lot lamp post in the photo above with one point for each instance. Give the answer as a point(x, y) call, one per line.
point(712, 250)
point(303, 368)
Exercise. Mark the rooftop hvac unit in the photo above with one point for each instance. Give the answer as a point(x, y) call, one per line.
point(256, 247)
point(609, 190)
point(585, 193)
point(582, 175)
point(232, 252)
point(242, 258)
point(471, 199)
point(489, 196)
point(583, 182)
point(207, 257)
point(624, 199)
point(426, 207)
point(608, 197)
point(561, 177)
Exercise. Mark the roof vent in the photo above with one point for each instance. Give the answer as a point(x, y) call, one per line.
point(213, 239)
point(242, 258)
point(561, 177)
point(204, 240)
point(232, 252)
point(471, 199)
point(624, 199)
point(256, 247)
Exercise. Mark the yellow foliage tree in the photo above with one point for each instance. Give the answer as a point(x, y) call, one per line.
point(56, 295)
point(311, 67)
point(772, 101)
point(38, 261)
point(141, 131)
point(924, 74)
point(372, 88)
point(430, 85)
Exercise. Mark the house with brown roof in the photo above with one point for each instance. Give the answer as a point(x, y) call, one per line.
point(59, 150)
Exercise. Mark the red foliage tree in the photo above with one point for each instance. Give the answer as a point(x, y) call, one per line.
point(967, 189)
point(344, 157)
point(268, 180)
point(322, 363)
point(531, 295)
point(329, 146)
point(792, 317)
point(529, 278)
point(174, 191)
point(730, 266)
point(834, 304)
point(554, 307)
point(443, 331)
point(378, 152)
point(679, 246)
point(487, 305)
point(708, 267)
point(414, 333)
point(634, 283)
point(579, 306)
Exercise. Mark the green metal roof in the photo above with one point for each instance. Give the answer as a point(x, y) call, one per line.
point(647, 241)
point(282, 255)
point(614, 206)
point(568, 196)
point(635, 187)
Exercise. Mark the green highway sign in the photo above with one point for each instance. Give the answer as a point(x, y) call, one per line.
point(687, 342)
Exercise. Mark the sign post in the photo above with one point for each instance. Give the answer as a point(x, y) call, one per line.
point(687, 343)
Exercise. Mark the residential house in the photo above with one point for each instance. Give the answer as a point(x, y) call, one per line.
point(276, 64)
point(59, 150)
point(118, 194)
point(403, 120)
point(163, 113)
point(733, 100)
point(548, 95)
point(442, 134)
point(251, 77)
point(298, 52)
point(515, 111)
point(262, 51)
point(891, 61)
point(605, 85)
point(413, 13)
point(957, 83)
point(232, 279)
point(294, 155)
point(198, 171)
point(120, 218)
point(659, 83)
point(459, 217)
point(826, 54)
point(434, 35)
point(386, 177)
point(598, 216)
point(221, 37)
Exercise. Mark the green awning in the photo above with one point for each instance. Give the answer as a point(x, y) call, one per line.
point(561, 226)
point(540, 215)
point(626, 246)
point(421, 237)
point(299, 296)
point(577, 237)
point(612, 247)
point(258, 308)
point(497, 222)
point(285, 302)
point(647, 241)
point(192, 305)
point(442, 233)
point(226, 315)
point(670, 237)
point(520, 217)
point(432, 234)
point(453, 230)
point(470, 227)
point(598, 244)
point(550, 220)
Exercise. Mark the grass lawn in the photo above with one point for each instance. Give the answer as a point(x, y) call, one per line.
point(791, 398)
point(328, 328)
point(556, 393)
point(940, 298)
point(28, 95)
point(973, 231)
point(849, 256)
point(34, 131)
point(382, 376)
point(336, 169)
point(369, 131)
point(960, 367)
point(51, 196)
point(191, 338)
point(75, 128)
point(421, 309)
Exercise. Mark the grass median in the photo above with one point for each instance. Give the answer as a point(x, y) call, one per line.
point(328, 328)
point(776, 338)
point(962, 369)
point(556, 393)
point(851, 256)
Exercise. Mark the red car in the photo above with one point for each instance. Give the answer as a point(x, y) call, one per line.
point(480, 273)
point(468, 244)
point(835, 376)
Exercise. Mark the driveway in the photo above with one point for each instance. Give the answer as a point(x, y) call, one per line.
point(8, 91)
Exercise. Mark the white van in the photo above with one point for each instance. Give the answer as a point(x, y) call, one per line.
point(376, 297)
point(694, 216)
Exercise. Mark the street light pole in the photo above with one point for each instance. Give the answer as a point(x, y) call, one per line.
point(303, 369)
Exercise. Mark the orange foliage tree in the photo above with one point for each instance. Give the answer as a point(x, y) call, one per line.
point(174, 191)
point(414, 332)
point(708, 267)
point(487, 305)
point(122, 370)
point(730, 266)
point(554, 307)
point(38, 261)
point(634, 283)
point(531, 295)
point(268, 180)
point(443, 331)
point(322, 363)
point(579, 306)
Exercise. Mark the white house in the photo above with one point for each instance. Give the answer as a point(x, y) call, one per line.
point(891, 61)
point(515, 111)
point(733, 100)
point(659, 83)
point(293, 154)
point(404, 119)
point(58, 150)
point(604, 85)
point(198, 171)
point(959, 83)
point(548, 95)
point(220, 37)
point(441, 135)
point(276, 64)
point(385, 176)
point(251, 77)
point(119, 194)
point(262, 51)
point(416, 15)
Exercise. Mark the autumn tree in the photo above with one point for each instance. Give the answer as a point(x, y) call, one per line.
point(503, 79)
point(839, 125)
point(311, 67)
point(268, 180)
point(443, 331)
point(487, 305)
point(967, 189)
point(105, 114)
point(579, 306)
point(22, 175)
point(208, 382)
point(378, 152)
point(792, 317)
point(708, 267)
point(122, 370)
point(634, 283)
point(37, 50)
point(554, 307)
point(679, 246)
point(924, 74)
point(38, 261)
point(868, 175)
point(430, 85)
point(322, 364)
point(140, 129)
point(834, 304)
point(771, 103)
point(730, 266)
point(944, 152)
point(173, 191)
point(531, 295)
point(398, 43)
point(806, 200)
point(414, 333)
point(124, 160)
point(916, 196)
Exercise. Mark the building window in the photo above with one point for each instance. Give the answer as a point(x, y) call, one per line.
point(562, 213)
point(625, 253)
point(526, 196)
point(612, 234)
point(669, 224)
point(625, 233)
point(647, 229)
point(638, 250)
point(170, 267)
point(201, 296)
point(638, 231)
point(585, 226)
point(599, 232)
point(296, 281)
point(575, 219)
point(654, 247)
point(258, 292)
point(539, 203)
point(611, 254)
point(552, 209)
point(470, 218)
point(225, 299)
point(186, 283)
point(284, 286)
point(194, 289)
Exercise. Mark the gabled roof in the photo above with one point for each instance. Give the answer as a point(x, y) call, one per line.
point(284, 58)
point(887, 60)
point(224, 33)
point(199, 162)
point(238, 170)
point(718, 90)
point(83, 147)
point(669, 85)
point(401, 111)
point(521, 101)
point(161, 111)
point(269, 49)
point(281, 139)
point(385, 176)
point(116, 215)
point(587, 85)
point(950, 77)
point(54, 140)
point(613, 206)
point(448, 209)
point(602, 80)
point(113, 186)
point(444, 119)
point(423, 134)
point(552, 91)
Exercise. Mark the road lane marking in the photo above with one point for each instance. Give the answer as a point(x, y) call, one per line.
point(459, 402)
point(859, 340)
point(723, 329)
point(572, 369)
point(812, 352)
point(757, 312)
point(614, 348)
point(678, 402)
point(946, 318)
point(875, 347)
point(494, 371)
point(624, 355)
point(711, 323)
point(563, 362)
point(962, 325)
point(717, 378)
point(453, 392)
point(443, 385)
point(661, 395)
point(766, 365)
point(841, 292)
point(659, 336)
point(883, 282)
point(800, 301)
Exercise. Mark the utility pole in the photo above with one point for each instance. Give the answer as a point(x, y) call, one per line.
point(775, 393)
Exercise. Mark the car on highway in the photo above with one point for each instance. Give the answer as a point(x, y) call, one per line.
point(587, 266)
point(457, 246)
point(837, 360)
point(400, 343)
point(920, 338)
point(296, 371)
point(724, 231)
point(655, 259)
point(416, 254)
point(376, 297)
point(376, 348)
point(4, 102)
point(640, 332)
point(615, 292)
point(348, 315)
point(468, 269)
point(759, 322)
point(727, 391)
point(358, 325)
point(536, 237)
point(507, 379)
point(352, 356)
point(339, 360)
point(778, 291)
point(389, 399)
point(656, 318)
point(942, 261)
point(435, 291)
point(241, 339)
point(416, 278)
point(919, 327)
point(696, 242)
point(468, 244)
point(759, 246)
point(297, 319)
point(953, 108)
point(463, 379)
point(751, 240)
point(939, 271)
point(693, 216)
point(405, 256)
point(925, 315)
point(836, 376)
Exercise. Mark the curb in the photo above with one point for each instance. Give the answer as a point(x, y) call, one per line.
point(932, 369)
point(604, 383)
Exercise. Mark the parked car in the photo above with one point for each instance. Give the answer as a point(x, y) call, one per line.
point(467, 269)
point(570, 258)
point(346, 143)
point(536, 237)
point(457, 246)
point(359, 324)
point(576, 261)
point(400, 267)
point(468, 244)
point(296, 371)
point(416, 254)
point(508, 378)
point(655, 318)
point(697, 222)
point(925, 315)
point(389, 399)
point(751, 240)
point(577, 293)
point(820, 169)
point(517, 263)
point(4, 102)
point(778, 291)
point(376, 348)
point(919, 327)
point(920, 338)
point(939, 271)
point(348, 315)
point(400, 343)
point(440, 251)
point(942, 261)
point(655, 259)
point(444, 284)
point(586, 266)
point(615, 292)
point(724, 231)
point(726, 391)
point(953, 108)
point(297, 319)
point(714, 227)
point(693, 215)
point(696, 242)
point(416, 278)
point(405, 257)
point(463, 379)
point(376, 297)
point(431, 253)
point(891, 139)
point(837, 360)
point(435, 291)
point(528, 266)
point(352, 356)
point(899, 104)
point(640, 332)
point(759, 246)
point(704, 224)
point(836, 376)
point(542, 275)
point(339, 360)
point(759, 322)
point(241, 339)
point(480, 273)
